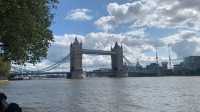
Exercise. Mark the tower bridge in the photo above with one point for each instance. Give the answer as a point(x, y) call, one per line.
point(119, 69)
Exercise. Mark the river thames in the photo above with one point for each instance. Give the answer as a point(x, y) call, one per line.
point(137, 94)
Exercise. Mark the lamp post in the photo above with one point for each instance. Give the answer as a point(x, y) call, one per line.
point(1, 49)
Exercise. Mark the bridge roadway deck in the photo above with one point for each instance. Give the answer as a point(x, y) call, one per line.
point(96, 52)
point(40, 73)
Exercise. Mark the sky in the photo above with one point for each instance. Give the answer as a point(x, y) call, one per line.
point(140, 26)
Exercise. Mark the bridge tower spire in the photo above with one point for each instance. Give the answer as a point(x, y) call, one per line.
point(76, 60)
point(118, 68)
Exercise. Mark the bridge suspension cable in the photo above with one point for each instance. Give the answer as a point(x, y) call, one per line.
point(48, 68)
point(51, 67)
point(128, 61)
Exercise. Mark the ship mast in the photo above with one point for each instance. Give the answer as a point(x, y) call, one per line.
point(170, 60)
point(158, 68)
point(157, 55)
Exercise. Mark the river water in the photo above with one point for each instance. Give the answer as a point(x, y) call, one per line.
point(137, 94)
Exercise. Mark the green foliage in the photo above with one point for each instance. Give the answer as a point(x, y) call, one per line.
point(24, 29)
point(4, 67)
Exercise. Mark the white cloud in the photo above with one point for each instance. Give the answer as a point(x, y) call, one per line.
point(157, 13)
point(184, 43)
point(79, 15)
point(105, 23)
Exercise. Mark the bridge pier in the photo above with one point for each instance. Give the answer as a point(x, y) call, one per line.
point(76, 71)
point(118, 67)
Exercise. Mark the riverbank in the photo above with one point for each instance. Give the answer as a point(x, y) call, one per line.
point(3, 81)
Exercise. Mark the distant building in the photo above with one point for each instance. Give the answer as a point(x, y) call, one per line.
point(152, 68)
point(179, 69)
point(192, 63)
point(164, 65)
point(138, 67)
point(1, 49)
point(131, 68)
point(190, 66)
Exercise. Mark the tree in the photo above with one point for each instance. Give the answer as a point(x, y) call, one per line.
point(24, 29)
point(4, 68)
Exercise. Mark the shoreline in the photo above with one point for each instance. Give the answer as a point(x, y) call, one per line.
point(3, 81)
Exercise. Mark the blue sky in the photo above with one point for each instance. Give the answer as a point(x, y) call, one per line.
point(139, 25)
point(62, 26)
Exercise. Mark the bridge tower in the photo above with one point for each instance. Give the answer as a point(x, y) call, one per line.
point(76, 60)
point(118, 67)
